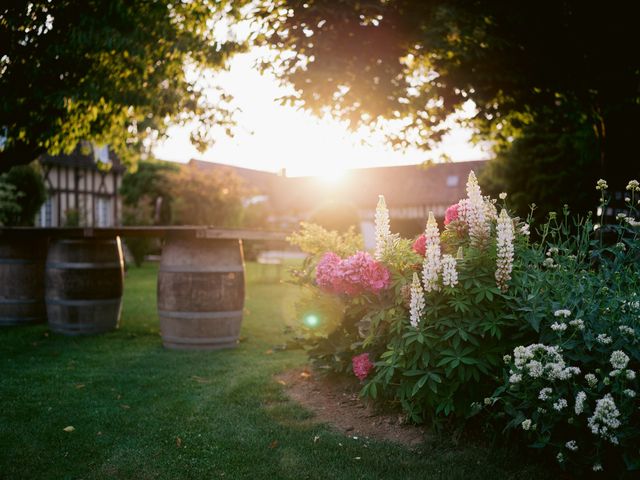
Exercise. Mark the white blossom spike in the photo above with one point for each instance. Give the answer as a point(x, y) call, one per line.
point(449, 272)
point(416, 306)
point(383, 230)
point(504, 263)
point(432, 262)
point(476, 211)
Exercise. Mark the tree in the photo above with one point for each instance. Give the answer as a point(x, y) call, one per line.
point(207, 198)
point(418, 61)
point(148, 190)
point(24, 193)
point(110, 71)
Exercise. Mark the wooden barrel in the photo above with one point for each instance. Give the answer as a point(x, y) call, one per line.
point(83, 285)
point(22, 279)
point(201, 293)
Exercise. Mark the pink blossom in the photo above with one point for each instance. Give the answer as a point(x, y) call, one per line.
point(451, 214)
point(420, 245)
point(362, 366)
point(352, 276)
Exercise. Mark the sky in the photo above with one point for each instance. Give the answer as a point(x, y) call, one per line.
point(273, 137)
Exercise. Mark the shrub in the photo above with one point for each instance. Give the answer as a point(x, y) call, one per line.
point(573, 389)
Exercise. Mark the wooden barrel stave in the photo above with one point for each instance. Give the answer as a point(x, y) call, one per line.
point(84, 285)
point(22, 279)
point(201, 293)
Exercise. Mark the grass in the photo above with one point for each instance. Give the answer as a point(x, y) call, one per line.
point(140, 411)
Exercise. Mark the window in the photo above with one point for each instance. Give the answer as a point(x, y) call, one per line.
point(101, 153)
point(45, 217)
point(452, 180)
point(104, 212)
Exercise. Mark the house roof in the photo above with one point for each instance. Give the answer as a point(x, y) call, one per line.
point(403, 186)
point(82, 157)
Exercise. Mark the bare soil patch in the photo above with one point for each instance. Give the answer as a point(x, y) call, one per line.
point(335, 401)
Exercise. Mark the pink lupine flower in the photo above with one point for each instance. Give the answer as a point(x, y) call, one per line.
point(362, 366)
point(420, 245)
point(451, 214)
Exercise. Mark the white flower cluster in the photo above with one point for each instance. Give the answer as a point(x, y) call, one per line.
point(604, 420)
point(449, 272)
point(627, 330)
point(383, 230)
point(526, 424)
point(560, 405)
point(633, 185)
point(577, 323)
point(476, 211)
point(601, 184)
point(504, 263)
point(545, 394)
point(558, 326)
point(591, 379)
point(416, 305)
point(619, 360)
point(541, 361)
point(562, 313)
point(604, 339)
point(572, 445)
point(432, 261)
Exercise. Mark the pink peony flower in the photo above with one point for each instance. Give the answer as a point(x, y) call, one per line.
point(420, 245)
point(362, 366)
point(357, 274)
point(451, 214)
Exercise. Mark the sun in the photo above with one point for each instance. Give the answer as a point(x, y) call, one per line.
point(332, 175)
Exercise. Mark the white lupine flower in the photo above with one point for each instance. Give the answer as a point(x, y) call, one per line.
point(416, 305)
point(558, 327)
point(591, 379)
point(619, 360)
point(605, 419)
point(604, 339)
point(577, 323)
point(449, 272)
point(560, 404)
point(631, 375)
point(545, 393)
point(572, 445)
point(524, 230)
point(564, 313)
point(432, 263)
point(629, 393)
point(581, 397)
point(476, 211)
point(383, 230)
point(504, 243)
point(526, 425)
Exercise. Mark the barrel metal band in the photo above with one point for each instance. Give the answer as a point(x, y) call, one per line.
point(83, 303)
point(200, 269)
point(17, 261)
point(82, 265)
point(16, 301)
point(201, 315)
point(21, 319)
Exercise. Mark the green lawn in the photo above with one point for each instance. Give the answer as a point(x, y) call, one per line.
point(140, 411)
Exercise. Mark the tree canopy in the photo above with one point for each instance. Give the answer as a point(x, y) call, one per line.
point(419, 61)
point(110, 71)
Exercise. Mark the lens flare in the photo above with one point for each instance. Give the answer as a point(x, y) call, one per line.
point(311, 320)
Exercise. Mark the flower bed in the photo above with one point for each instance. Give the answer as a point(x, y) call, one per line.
point(539, 336)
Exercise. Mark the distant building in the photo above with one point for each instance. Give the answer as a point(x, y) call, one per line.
point(410, 191)
point(82, 188)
